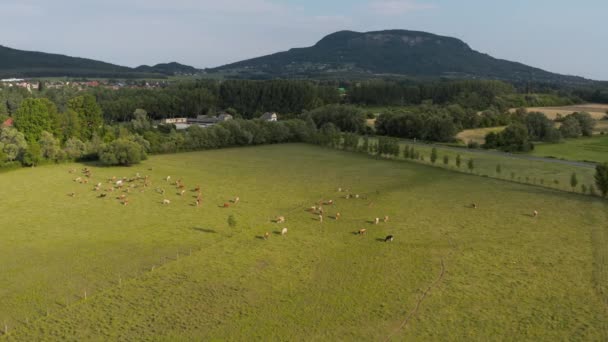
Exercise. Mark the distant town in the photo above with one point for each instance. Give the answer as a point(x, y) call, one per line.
point(34, 84)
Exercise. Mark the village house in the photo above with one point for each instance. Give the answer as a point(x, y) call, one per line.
point(270, 116)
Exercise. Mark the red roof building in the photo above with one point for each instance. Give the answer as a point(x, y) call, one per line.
point(8, 123)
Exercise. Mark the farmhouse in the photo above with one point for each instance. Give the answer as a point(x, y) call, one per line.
point(200, 120)
point(270, 116)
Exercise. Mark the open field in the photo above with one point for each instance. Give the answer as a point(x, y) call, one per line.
point(585, 149)
point(513, 167)
point(597, 111)
point(477, 135)
point(452, 273)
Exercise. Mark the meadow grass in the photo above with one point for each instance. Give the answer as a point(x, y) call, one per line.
point(477, 135)
point(494, 272)
point(586, 149)
point(513, 167)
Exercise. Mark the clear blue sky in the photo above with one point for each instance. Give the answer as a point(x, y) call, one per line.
point(569, 37)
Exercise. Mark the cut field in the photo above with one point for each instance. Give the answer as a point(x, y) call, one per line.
point(597, 111)
point(593, 149)
point(477, 135)
point(178, 272)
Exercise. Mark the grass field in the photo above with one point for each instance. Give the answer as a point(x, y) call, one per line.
point(587, 149)
point(452, 273)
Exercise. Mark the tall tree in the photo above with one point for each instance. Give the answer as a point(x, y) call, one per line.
point(89, 113)
point(573, 181)
point(601, 178)
point(35, 116)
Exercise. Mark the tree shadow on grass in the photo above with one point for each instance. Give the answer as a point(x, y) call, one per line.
point(205, 230)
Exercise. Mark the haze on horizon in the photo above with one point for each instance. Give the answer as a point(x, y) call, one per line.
point(558, 36)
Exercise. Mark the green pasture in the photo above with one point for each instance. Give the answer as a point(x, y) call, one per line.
point(513, 167)
point(177, 272)
point(593, 149)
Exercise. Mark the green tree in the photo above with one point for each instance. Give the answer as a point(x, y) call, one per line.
point(601, 178)
point(583, 188)
point(592, 190)
point(32, 155)
point(570, 128)
point(446, 160)
point(458, 161)
point(471, 165)
point(50, 147)
point(573, 181)
point(89, 113)
point(35, 116)
point(433, 155)
point(12, 144)
point(74, 148)
point(122, 151)
point(498, 169)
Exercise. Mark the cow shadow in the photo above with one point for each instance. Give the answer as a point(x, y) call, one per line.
point(371, 222)
point(528, 215)
point(259, 237)
point(204, 230)
point(380, 240)
point(276, 232)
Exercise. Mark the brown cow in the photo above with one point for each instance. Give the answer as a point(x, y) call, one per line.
point(338, 216)
point(535, 213)
point(226, 205)
point(385, 219)
point(280, 219)
point(362, 231)
point(266, 235)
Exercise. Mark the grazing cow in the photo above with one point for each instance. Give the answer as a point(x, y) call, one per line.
point(168, 178)
point(266, 235)
point(362, 231)
point(535, 213)
point(321, 218)
point(198, 188)
point(313, 208)
point(125, 202)
point(181, 193)
point(284, 231)
point(338, 216)
point(236, 200)
point(385, 219)
point(198, 202)
point(226, 205)
point(118, 183)
point(357, 196)
point(377, 220)
point(320, 210)
point(102, 195)
point(166, 201)
point(280, 219)
point(389, 238)
point(474, 205)
point(78, 179)
point(330, 202)
point(339, 189)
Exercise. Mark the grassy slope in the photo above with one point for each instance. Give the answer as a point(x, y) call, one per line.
point(506, 274)
point(591, 149)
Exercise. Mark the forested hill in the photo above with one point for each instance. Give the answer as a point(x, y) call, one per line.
point(172, 68)
point(389, 53)
point(19, 63)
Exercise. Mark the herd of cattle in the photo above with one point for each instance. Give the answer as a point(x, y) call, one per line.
point(126, 186)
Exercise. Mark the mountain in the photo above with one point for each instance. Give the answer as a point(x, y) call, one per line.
point(19, 63)
point(388, 53)
point(170, 69)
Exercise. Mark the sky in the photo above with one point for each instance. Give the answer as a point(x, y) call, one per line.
point(564, 36)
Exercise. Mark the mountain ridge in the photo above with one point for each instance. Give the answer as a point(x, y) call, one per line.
point(22, 63)
point(389, 52)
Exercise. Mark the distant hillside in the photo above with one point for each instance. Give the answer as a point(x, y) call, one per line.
point(19, 63)
point(169, 69)
point(389, 53)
